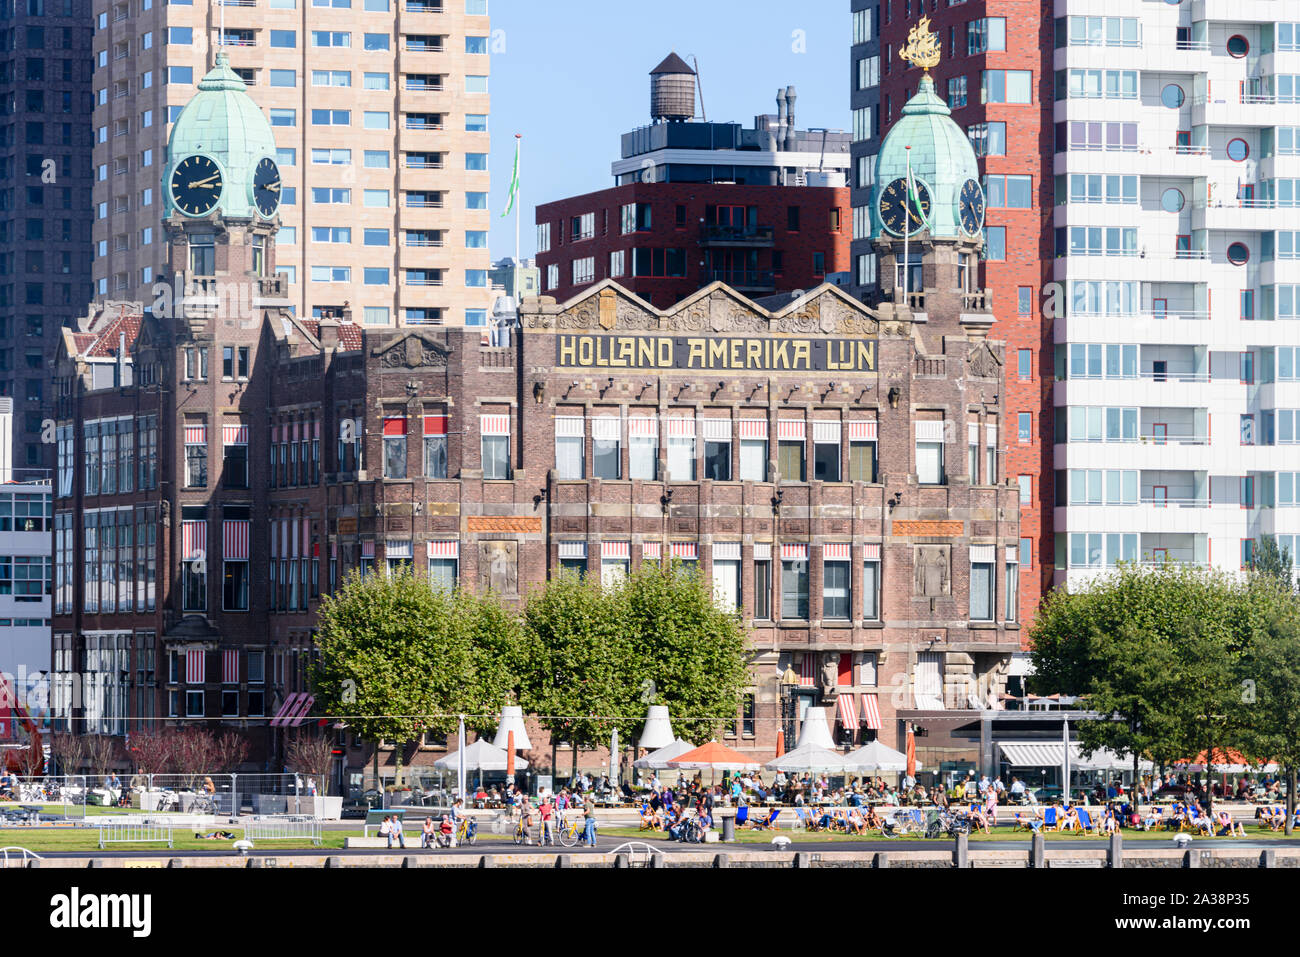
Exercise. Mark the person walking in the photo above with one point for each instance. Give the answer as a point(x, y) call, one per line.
point(589, 821)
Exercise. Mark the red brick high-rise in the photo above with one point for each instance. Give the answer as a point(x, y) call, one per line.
point(996, 75)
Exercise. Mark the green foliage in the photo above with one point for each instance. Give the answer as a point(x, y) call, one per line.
point(1273, 561)
point(1161, 651)
point(691, 650)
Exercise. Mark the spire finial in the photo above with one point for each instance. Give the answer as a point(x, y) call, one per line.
point(922, 47)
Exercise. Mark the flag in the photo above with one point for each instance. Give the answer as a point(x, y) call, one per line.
point(514, 184)
point(914, 200)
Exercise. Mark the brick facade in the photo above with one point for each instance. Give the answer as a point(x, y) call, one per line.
point(820, 376)
point(679, 219)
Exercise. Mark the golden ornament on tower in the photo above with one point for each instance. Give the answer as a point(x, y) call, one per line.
point(922, 47)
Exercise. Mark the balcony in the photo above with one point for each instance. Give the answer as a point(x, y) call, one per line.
point(743, 280)
point(420, 87)
point(423, 164)
point(752, 237)
point(418, 124)
point(422, 8)
point(410, 280)
point(423, 46)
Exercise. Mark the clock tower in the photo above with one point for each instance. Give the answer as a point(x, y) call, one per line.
point(927, 211)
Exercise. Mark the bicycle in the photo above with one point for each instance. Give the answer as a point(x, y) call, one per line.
point(203, 804)
point(946, 821)
point(466, 831)
point(523, 834)
point(566, 830)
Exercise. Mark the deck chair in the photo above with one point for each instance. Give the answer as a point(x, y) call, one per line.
point(1086, 823)
point(770, 823)
point(742, 815)
point(1050, 820)
point(1027, 821)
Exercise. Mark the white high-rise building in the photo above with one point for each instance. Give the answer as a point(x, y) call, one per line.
point(1177, 222)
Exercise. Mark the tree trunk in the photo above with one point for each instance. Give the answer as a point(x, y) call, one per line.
point(573, 775)
point(1209, 784)
point(1290, 800)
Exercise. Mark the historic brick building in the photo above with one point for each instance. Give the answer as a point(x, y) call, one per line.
point(832, 468)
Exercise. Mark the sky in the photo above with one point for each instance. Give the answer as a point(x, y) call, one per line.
point(571, 76)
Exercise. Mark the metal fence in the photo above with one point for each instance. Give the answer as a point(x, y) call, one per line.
point(283, 827)
point(132, 831)
point(223, 794)
point(62, 796)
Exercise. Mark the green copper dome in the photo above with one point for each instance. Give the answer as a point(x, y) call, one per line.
point(942, 159)
point(223, 123)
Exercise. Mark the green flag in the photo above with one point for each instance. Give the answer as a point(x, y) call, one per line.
point(514, 184)
point(914, 201)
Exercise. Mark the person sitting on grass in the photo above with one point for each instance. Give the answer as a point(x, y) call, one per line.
point(215, 836)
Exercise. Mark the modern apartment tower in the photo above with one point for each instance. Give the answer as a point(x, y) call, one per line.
point(380, 111)
point(1177, 182)
point(864, 100)
point(44, 202)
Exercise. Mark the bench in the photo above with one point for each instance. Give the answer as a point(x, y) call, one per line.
point(375, 817)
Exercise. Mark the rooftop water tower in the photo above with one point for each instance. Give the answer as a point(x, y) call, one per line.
point(672, 91)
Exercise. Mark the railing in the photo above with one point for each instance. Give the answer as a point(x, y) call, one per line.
point(288, 827)
point(1192, 45)
point(411, 47)
point(976, 301)
point(1186, 150)
point(14, 856)
point(237, 42)
point(736, 233)
point(418, 164)
point(423, 243)
point(423, 203)
point(420, 87)
point(421, 125)
point(237, 3)
point(121, 830)
point(1191, 254)
point(1150, 376)
point(422, 7)
point(421, 282)
point(1145, 440)
point(1139, 314)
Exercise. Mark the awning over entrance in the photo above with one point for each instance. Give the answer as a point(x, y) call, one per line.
point(1048, 754)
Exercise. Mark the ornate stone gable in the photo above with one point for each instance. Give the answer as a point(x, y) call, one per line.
point(411, 351)
point(983, 362)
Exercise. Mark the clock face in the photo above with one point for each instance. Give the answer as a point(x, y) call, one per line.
point(196, 185)
point(266, 187)
point(970, 207)
point(896, 213)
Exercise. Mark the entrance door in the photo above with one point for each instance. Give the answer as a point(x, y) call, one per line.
point(1160, 433)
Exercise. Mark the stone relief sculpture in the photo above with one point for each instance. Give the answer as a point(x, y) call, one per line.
point(933, 578)
point(498, 564)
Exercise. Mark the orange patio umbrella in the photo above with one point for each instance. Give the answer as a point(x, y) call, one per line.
point(911, 752)
point(780, 742)
point(715, 757)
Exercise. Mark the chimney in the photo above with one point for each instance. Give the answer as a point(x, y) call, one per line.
point(780, 118)
point(328, 333)
point(6, 438)
point(790, 127)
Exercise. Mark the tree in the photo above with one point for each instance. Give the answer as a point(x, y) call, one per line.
point(69, 751)
point(229, 751)
point(1270, 684)
point(579, 675)
point(101, 749)
point(394, 658)
point(194, 754)
point(1154, 650)
point(690, 649)
point(1273, 561)
point(152, 750)
point(499, 656)
point(307, 752)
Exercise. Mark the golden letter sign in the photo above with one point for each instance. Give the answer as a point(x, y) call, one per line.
point(716, 353)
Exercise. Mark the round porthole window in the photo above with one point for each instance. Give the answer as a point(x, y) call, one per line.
point(1238, 254)
point(1172, 200)
point(1238, 46)
point(1172, 96)
point(1238, 150)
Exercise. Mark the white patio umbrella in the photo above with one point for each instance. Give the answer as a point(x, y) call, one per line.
point(877, 757)
point(480, 756)
point(813, 752)
point(658, 760)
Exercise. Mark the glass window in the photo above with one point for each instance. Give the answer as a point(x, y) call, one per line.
point(496, 457)
point(826, 461)
point(606, 449)
point(981, 591)
point(871, 590)
point(835, 590)
point(762, 589)
point(394, 448)
point(726, 584)
point(794, 590)
point(929, 463)
point(681, 458)
point(790, 461)
point(569, 463)
point(717, 459)
point(862, 461)
point(753, 460)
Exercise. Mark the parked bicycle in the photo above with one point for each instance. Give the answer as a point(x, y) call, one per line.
point(945, 822)
point(566, 829)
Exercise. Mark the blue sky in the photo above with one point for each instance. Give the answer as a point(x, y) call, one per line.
point(572, 75)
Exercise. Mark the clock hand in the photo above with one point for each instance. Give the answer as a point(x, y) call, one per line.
point(200, 182)
point(273, 187)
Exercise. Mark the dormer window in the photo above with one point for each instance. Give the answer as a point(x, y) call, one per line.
point(203, 254)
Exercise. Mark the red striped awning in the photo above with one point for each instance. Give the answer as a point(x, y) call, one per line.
point(871, 552)
point(494, 424)
point(643, 427)
point(846, 705)
point(196, 435)
point(836, 551)
point(234, 434)
point(680, 428)
point(299, 714)
point(394, 427)
point(650, 550)
point(229, 667)
point(871, 711)
point(196, 667)
point(791, 430)
point(616, 550)
point(687, 551)
point(194, 540)
point(289, 706)
point(367, 549)
point(445, 549)
point(862, 431)
point(753, 429)
point(234, 540)
point(435, 425)
point(807, 665)
point(794, 553)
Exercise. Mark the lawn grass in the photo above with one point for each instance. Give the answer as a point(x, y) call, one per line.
point(999, 835)
point(43, 840)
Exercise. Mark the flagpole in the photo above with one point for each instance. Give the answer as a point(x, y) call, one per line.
point(518, 149)
point(907, 224)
